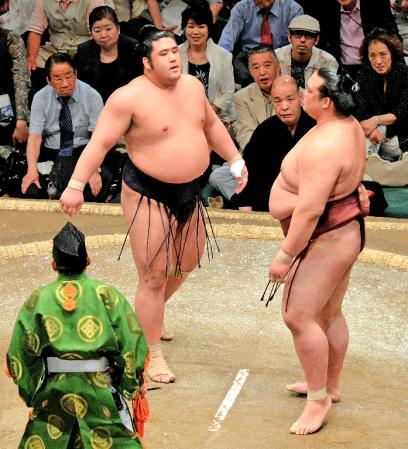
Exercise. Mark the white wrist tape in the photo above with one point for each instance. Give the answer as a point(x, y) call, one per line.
point(76, 185)
point(236, 168)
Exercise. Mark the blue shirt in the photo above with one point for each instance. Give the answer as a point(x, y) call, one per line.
point(245, 24)
point(85, 105)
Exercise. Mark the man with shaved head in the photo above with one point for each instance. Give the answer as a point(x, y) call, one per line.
point(271, 141)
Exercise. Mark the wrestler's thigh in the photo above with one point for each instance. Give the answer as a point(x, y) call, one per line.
point(148, 232)
point(322, 270)
point(333, 305)
point(190, 241)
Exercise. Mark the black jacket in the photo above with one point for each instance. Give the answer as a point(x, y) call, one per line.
point(264, 153)
point(374, 14)
point(89, 66)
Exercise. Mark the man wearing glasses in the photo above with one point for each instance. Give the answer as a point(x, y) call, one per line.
point(300, 59)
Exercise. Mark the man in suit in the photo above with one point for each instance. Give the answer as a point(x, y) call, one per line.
point(253, 103)
point(345, 23)
point(253, 106)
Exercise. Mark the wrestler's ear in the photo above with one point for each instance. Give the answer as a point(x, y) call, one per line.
point(54, 265)
point(88, 260)
point(327, 102)
point(146, 63)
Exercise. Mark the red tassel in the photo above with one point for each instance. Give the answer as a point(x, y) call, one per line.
point(7, 372)
point(140, 413)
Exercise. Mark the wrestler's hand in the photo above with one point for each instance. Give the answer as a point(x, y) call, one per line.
point(71, 201)
point(95, 183)
point(278, 271)
point(242, 180)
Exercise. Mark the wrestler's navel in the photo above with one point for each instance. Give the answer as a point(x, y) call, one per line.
point(165, 128)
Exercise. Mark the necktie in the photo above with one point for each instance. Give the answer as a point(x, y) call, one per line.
point(266, 34)
point(66, 131)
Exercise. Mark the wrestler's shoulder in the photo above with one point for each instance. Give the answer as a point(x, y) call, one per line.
point(190, 80)
point(127, 93)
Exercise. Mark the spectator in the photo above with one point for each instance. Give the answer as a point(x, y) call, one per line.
point(345, 23)
point(17, 15)
point(210, 63)
point(301, 58)
point(108, 61)
point(383, 96)
point(253, 23)
point(166, 14)
point(14, 87)
point(400, 8)
point(64, 113)
point(270, 143)
point(67, 23)
point(253, 105)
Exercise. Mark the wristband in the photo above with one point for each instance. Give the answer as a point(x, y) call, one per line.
point(236, 168)
point(283, 257)
point(76, 185)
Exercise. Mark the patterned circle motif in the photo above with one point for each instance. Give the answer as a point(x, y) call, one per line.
point(68, 289)
point(34, 442)
point(74, 405)
point(133, 323)
point(100, 438)
point(89, 328)
point(71, 356)
point(32, 342)
point(16, 369)
point(100, 380)
point(130, 365)
point(54, 327)
point(107, 295)
point(55, 426)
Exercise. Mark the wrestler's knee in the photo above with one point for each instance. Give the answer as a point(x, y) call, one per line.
point(295, 321)
point(154, 280)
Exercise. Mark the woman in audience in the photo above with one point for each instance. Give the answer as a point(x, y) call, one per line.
point(210, 63)
point(382, 100)
point(108, 60)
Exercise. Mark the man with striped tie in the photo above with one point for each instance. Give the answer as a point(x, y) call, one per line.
point(63, 116)
point(253, 23)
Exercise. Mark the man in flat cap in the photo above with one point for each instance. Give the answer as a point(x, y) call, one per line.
point(300, 59)
point(76, 352)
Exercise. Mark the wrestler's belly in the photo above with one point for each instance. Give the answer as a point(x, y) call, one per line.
point(175, 160)
point(281, 202)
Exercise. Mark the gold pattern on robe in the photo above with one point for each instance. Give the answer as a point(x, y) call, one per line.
point(89, 328)
point(130, 365)
point(32, 343)
point(54, 327)
point(16, 368)
point(100, 438)
point(55, 426)
point(74, 405)
point(34, 442)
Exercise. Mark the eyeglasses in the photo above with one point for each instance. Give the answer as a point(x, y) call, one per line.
point(305, 34)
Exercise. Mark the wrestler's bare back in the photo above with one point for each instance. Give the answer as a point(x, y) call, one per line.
point(342, 141)
point(166, 136)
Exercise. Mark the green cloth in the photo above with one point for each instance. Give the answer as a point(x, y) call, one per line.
point(76, 410)
point(397, 199)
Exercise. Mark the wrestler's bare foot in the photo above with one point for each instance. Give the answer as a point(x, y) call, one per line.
point(157, 369)
point(301, 389)
point(312, 417)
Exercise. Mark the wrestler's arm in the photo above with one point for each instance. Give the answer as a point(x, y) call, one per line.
point(220, 141)
point(319, 169)
point(113, 122)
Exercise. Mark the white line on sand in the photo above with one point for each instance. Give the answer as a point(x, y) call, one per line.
point(229, 400)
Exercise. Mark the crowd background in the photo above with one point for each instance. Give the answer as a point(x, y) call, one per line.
point(61, 60)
